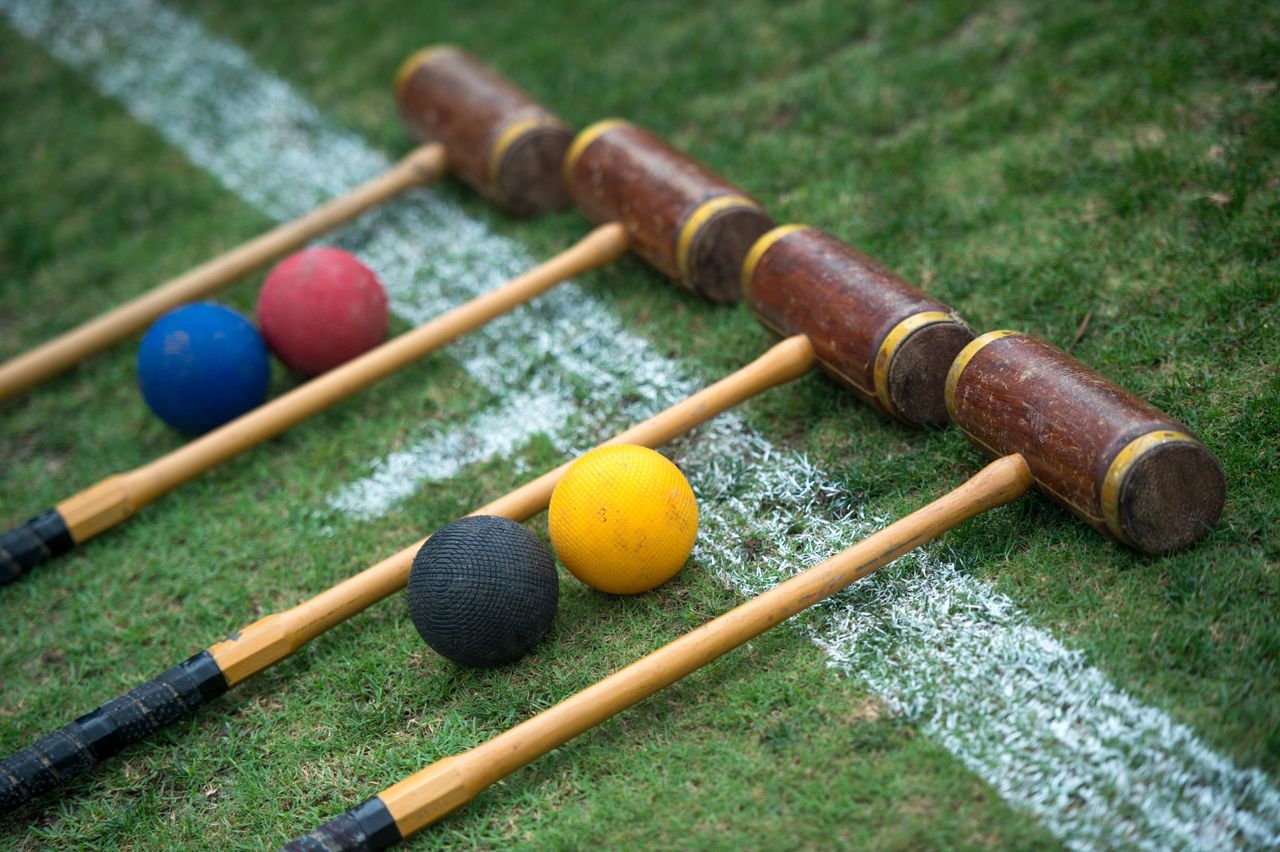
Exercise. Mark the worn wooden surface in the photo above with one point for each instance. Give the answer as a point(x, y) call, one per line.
point(422, 166)
point(628, 175)
point(1018, 394)
point(805, 281)
point(424, 797)
point(110, 502)
point(276, 636)
point(500, 141)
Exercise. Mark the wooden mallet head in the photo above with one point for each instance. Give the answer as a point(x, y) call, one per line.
point(1116, 461)
point(499, 141)
point(872, 331)
point(690, 223)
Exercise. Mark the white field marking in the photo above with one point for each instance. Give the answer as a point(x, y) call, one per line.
point(489, 435)
point(1048, 731)
point(1028, 715)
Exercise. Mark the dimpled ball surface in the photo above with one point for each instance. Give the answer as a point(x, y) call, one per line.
point(483, 591)
point(623, 519)
point(321, 307)
point(202, 365)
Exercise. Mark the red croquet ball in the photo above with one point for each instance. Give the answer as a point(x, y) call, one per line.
point(321, 307)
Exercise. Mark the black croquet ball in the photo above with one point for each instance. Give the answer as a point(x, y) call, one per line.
point(483, 591)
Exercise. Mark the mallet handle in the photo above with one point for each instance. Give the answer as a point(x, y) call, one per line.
point(367, 827)
point(277, 636)
point(32, 544)
point(783, 362)
point(421, 166)
point(81, 745)
point(448, 784)
point(116, 498)
point(72, 751)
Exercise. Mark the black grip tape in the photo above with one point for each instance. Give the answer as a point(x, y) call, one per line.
point(96, 736)
point(367, 827)
point(33, 544)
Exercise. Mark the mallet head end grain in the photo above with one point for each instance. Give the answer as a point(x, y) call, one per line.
point(713, 244)
point(525, 165)
point(1163, 492)
point(918, 370)
point(1114, 460)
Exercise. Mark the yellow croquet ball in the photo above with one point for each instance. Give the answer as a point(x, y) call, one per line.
point(623, 519)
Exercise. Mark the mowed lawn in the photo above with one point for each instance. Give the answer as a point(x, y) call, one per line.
point(1103, 175)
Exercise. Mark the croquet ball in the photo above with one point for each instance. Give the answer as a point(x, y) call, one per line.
point(483, 591)
point(201, 365)
point(623, 519)
point(321, 307)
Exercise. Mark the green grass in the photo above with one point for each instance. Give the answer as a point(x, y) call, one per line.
point(1033, 165)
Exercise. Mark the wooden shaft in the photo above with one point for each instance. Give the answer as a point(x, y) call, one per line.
point(106, 504)
point(422, 798)
point(279, 635)
point(422, 166)
point(785, 361)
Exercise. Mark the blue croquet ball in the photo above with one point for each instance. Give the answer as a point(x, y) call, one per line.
point(201, 365)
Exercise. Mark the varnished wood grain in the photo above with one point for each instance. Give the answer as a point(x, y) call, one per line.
point(1019, 394)
point(809, 282)
point(276, 636)
point(112, 501)
point(422, 166)
point(446, 95)
point(626, 174)
point(448, 784)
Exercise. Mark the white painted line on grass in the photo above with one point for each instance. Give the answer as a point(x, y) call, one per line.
point(1050, 733)
point(491, 434)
